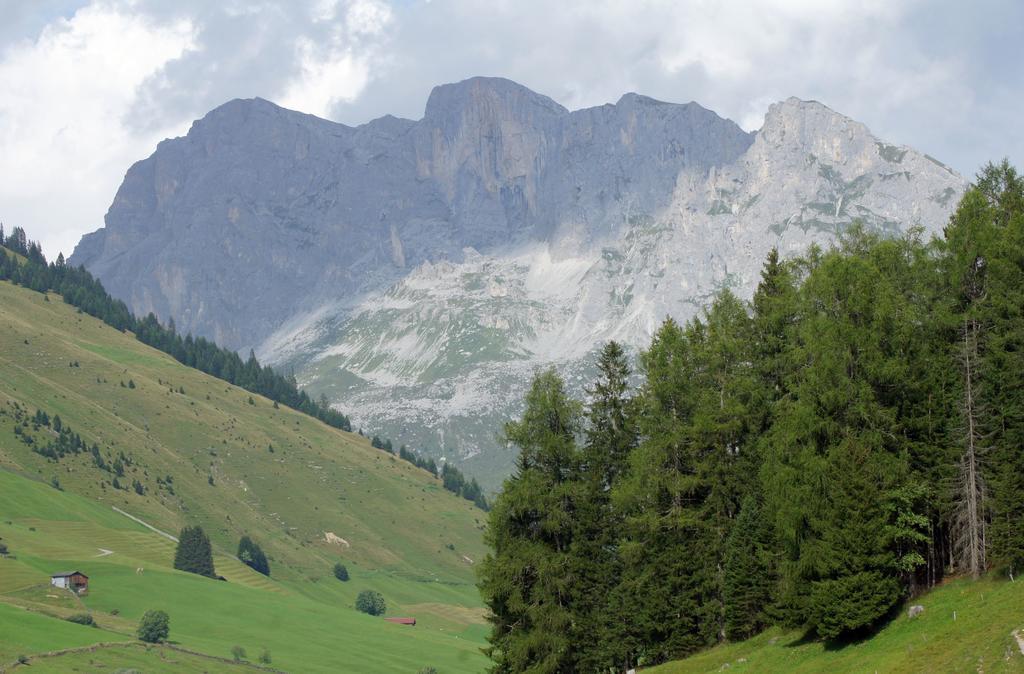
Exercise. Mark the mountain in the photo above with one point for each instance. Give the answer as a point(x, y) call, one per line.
point(418, 272)
point(162, 445)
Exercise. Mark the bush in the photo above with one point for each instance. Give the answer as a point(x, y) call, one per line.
point(370, 602)
point(81, 619)
point(154, 627)
point(340, 572)
point(265, 657)
point(428, 670)
point(238, 653)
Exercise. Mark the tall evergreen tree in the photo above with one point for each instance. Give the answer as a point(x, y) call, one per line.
point(774, 308)
point(985, 268)
point(610, 436)
point(610, 429)
point(525, 580)
point(662, 601)
point(194, 553)
point(837, 456)
point(1003, 188)
point(970, 238)
point(748, 572)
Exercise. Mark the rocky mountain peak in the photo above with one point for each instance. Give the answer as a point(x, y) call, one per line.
point(809, 124)
point(481, 98)
point(544, 232)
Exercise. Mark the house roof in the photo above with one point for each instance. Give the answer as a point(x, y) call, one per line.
point(66, 574)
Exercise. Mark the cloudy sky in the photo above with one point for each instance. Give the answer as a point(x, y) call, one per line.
point(89, 86)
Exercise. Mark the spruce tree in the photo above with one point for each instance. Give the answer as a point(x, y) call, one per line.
point(610, 436)
point(525, 580)
point(774, 317)
point(837, 458)
point(662, 603)
point(610, 430)
point(748, 572)
point(194, 553)
point(985, 240)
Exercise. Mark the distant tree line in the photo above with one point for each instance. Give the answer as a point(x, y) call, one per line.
point(455, 482)
point(63, 441)
point(413, 457)
point(451, 477)
point(66, 442)
point(811, 458)
point(79, 289)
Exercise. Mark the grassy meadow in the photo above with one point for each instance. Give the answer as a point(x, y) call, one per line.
point(309, 494)
point(978, 639)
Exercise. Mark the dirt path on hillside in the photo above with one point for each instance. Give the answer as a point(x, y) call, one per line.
point(148, 526)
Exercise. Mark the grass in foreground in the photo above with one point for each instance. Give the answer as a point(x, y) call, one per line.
point(979, 639)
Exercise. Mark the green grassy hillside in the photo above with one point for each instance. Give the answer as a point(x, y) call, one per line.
point(200, 451)
point(966, 627)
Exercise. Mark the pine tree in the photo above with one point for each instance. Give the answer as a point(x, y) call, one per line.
point(194, 553)
point(985, 241)
point(837, 458)
point(662, 602)
point(748, 572)
point(525, 580)
point(610, 431)
point(610, 435)
point(774, 318)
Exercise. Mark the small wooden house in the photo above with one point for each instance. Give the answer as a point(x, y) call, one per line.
point(76, 581)
point(402, 621)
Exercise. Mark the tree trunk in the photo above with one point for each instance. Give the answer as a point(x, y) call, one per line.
point(970, 512)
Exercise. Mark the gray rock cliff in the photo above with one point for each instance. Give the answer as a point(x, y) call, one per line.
point(417, 272)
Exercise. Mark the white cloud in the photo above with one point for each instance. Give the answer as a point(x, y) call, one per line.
point(63, 146)
point(325, 79)
point(324, 10)
point(366, 17)
point(336, 69)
